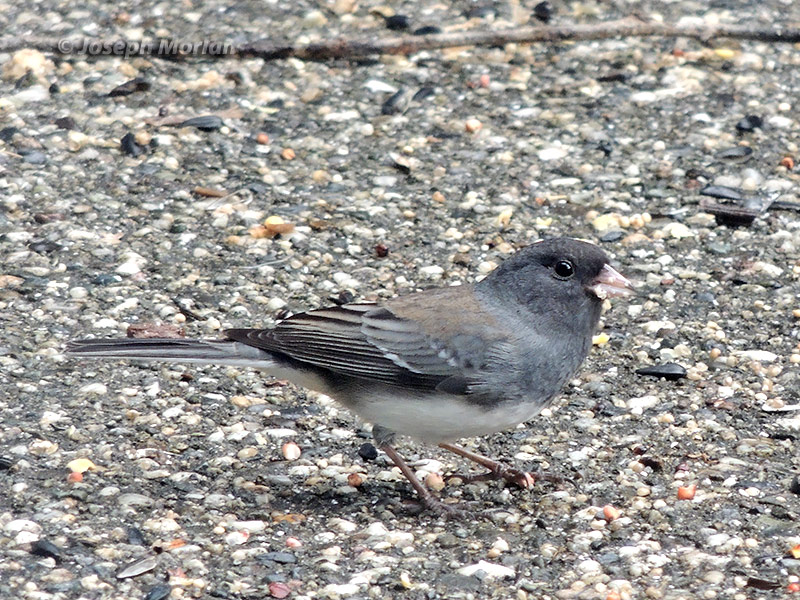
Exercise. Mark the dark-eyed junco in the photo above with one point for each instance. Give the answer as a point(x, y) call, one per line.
point(437, 365)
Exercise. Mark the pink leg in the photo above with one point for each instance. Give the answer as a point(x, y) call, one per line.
point(428, 499)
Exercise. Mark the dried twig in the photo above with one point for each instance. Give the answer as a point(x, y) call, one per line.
point(408, 44)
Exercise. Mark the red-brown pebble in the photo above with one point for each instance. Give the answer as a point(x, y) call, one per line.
point(210, 192)
point(610, 512)
point(279, 590)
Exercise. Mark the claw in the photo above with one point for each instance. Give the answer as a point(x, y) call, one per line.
point(524, 480)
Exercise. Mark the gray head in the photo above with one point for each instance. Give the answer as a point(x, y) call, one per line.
point(559, 280)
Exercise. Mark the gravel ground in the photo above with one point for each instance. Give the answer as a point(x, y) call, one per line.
point(128, 481)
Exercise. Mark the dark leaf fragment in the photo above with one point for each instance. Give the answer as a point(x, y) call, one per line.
point(129, 146)
point(47, 549)
point(203, 123)
point(129, 87)
point(762, 584)
point(669, 371)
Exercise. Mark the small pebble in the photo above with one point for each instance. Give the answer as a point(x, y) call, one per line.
point(749, 123)
point(543, 11)
point(291, 451)
point(435, 482)
point(491, 570)
point(398, 23)
point(80, 465)
point(368, 451)
point(473, 125)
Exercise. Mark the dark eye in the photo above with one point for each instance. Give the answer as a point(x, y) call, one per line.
point(564, 269)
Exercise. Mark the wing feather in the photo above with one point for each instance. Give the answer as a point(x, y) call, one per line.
point(359, 340)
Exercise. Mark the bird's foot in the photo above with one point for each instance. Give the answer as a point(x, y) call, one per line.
point(457, 510)
point(497, 470)
point(519, 478)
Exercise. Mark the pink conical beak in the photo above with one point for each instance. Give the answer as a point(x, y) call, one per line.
point(610, 284)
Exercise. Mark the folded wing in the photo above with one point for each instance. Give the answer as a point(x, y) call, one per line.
point(363, 341)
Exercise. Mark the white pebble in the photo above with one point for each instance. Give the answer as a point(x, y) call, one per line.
point(106, 324)
point(276, 304)
point(96, 388)
point(17, 525)
point(36, 93)
point(758, 355)
point(493, 571)
point(487, 266)
point(715, 577)
point(339, 590)
point(501, 545)
point(19, 236)
point(378, 86)
point(717, 539)
point(431, 271)
point(769, 269)
point(236, 538)
point(342, 525)
point(42, 448)
point(376, 529)
point(654, 326)
point(129, 267)
point(780, 122)
point(640, 404)
point(314, 18)
point(589, 566)
point(249, 526)
point(632, 170)
point(279, 433)
point(553, 153)
point(678, 231)
point(643, 97)
point(340, 277)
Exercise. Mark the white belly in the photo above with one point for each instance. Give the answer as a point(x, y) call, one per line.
point(433, 419)
point(444, 417)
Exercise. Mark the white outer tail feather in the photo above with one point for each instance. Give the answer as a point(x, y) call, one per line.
point(178, 350)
